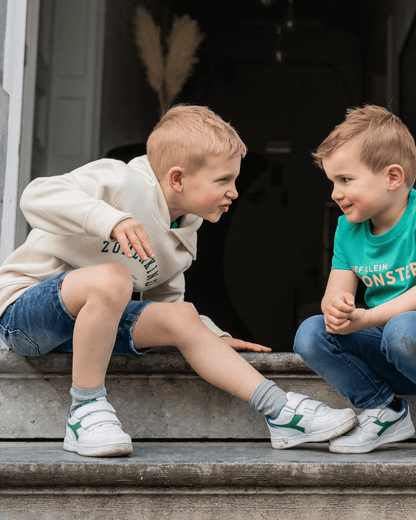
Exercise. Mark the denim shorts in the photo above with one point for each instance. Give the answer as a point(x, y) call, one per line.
point(38, 322)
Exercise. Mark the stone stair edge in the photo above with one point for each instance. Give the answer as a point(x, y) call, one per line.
point(157, 361)
point(206, 464)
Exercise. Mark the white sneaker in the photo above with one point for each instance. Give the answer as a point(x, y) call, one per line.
point(376, 427)
point(304, 420)
point(93, 430)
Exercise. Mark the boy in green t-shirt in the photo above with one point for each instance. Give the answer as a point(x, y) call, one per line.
point(369, 354)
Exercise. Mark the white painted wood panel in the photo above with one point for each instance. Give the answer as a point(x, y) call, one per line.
point(75, 99)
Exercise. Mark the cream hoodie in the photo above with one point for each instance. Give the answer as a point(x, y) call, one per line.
point(72, 217)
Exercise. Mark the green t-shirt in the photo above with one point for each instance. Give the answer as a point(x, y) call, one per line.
point(385, 263)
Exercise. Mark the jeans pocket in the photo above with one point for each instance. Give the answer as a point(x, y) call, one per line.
point(20, 343)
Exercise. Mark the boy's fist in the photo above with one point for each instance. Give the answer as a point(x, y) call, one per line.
point(130, 231)
point(338, 312)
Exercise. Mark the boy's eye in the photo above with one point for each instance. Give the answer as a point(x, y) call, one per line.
point(345, 179)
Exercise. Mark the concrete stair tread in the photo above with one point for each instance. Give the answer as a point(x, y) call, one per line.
point(207, 464)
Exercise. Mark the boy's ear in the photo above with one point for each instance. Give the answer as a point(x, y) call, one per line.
point(395, 175)
point(175, 178)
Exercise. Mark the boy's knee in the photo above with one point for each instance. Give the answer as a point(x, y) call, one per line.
point(115, 283)
point(308, 334)
point(401, 322)
point(399, 335)
point(182, 313)
point(176, 318)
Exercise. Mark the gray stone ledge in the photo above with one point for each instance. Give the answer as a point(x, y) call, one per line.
point(208, 464)
point(212, 490)
point(152, 362)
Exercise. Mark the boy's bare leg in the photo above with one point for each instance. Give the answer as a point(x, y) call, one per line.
point(214, 360)
point(96, 296)
point(179, 325)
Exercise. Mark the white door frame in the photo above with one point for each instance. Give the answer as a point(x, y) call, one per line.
point(14, 57)
point(28, 112)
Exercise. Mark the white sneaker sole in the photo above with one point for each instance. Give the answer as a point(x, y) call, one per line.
point(111, 450)
point(349, 422)
point(400, 435)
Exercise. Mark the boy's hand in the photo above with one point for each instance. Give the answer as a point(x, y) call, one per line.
point(238, 344)
point(356, 321)
point(342, 317)
point(130, 231)
point(338, 312)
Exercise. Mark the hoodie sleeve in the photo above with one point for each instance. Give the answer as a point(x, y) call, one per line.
point(173, 290)
point(85, 202)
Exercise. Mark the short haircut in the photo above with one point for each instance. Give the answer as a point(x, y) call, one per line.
point(385, 140)
point(187, 135)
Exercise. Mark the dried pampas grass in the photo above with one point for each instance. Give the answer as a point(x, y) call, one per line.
point(147, 35)
point(183, 41)
point(167, 75)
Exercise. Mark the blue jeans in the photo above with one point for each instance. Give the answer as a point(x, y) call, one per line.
point(367, 366)
point(38, 322)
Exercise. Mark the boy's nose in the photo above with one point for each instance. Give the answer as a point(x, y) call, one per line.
point(233, 193)
point(336, 195)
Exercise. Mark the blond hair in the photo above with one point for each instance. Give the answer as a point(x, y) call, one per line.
point(187, 135)
point(385, 140)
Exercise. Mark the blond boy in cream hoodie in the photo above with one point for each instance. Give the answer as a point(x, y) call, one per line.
point(108, 229)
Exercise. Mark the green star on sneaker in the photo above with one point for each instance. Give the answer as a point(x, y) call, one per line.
point(292, 424)
point(74, 428)
point(387, 424)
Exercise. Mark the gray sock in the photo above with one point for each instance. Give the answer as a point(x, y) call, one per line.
point(80, 395)
point(268, 398)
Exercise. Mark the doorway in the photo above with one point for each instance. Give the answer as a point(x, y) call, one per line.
point(62, 90)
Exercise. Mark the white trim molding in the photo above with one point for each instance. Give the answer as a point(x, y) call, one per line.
point(14, 56)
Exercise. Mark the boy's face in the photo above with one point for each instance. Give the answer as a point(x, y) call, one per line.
point(360, 193)
point(210, 191)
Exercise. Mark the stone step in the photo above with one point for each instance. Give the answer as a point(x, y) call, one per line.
point(207, 480)
point(171, 474)
point(157, 396)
